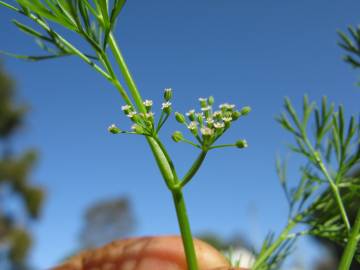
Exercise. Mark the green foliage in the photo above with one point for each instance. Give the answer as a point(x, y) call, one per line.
point(330, 152)
point(14, 178)
point(326, 193)
point(351, 45)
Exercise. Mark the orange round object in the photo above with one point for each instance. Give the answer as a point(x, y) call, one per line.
point(146, 253)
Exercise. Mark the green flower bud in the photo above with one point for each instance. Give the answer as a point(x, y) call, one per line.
point(166, 107)
point(167, 94)
point(191, 115)
point(137, 129)
point(211, 100)
point(114, 129)
point(203, 102)
point(200, 118)
point(177, 136)
point(245, 110)
point(180, 118)
point(235, 115)
point(148, 104)
point(241, 144)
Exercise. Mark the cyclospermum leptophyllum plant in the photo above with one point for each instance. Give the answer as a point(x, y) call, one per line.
point(94, 21)
point(327, 191)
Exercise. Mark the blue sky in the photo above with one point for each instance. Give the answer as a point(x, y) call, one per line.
point(245, 52)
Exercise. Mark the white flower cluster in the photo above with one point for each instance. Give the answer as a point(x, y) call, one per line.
point(208, 125)
point(143, 122)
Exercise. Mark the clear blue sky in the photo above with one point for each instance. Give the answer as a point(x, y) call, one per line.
point(245, 52)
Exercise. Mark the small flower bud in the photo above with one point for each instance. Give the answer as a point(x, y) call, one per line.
point(191, 115)
point(206, 132)
point(126, 109)
point(211, 100)
point(203, 102)
point(219, 125)
point(166, 107)
point(210, 122)
point(193, 127)
point(167, 94)
point(148, 104)
point(235, 115)
point(133, 116)
point(241, 144)
point(217, 115)
point(114, 129)
point(245, 110)
point(137, 129)
point(177, 136)
point(200, 118)
point(180, 118)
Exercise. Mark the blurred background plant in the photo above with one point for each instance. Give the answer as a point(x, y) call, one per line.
point(15, 185)
point(326, 199)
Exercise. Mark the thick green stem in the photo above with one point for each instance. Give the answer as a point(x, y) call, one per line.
point(185, 230)
point(351, 246)
point(163, 161)
point(126, 73)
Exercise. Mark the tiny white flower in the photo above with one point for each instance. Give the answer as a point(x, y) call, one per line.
point(134, 126)
point(207, 108)
point(202, 99)
point(210, 121)
point(199, 115)
point(205, 131)
point(126, 107)
point(112, 126)
point(224, 105)
point(149, 115)
point(191, 112)
point(217, 114)
point(148, 103)
point(231, 106)
point(227, 119)
point(192, 125)
point(131, 114)
point(165, 105)
point(219, 125)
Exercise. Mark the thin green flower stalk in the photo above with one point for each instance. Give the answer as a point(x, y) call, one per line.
point(95, 21)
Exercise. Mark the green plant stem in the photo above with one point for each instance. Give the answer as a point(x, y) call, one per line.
point(282, 237)
point(222, 146)
point(167, 156)
point(333, 186)
point(126, 73)
point(351, 245)
point(163, 161)
point(185, 230)
point(194, 168)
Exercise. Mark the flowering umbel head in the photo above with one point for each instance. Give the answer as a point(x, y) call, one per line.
point(208, 125)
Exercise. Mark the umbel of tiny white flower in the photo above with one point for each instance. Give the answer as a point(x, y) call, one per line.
point(208, 125)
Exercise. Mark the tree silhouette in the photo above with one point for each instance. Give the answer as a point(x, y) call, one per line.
point(106, 221)
point(15, 186)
